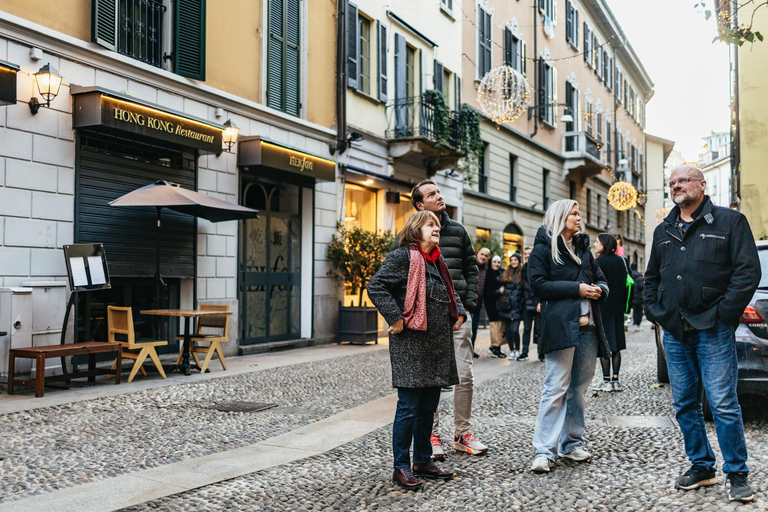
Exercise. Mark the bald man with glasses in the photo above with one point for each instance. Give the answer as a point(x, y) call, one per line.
point(702, 273)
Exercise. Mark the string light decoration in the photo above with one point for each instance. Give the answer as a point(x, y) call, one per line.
point(504, 94)
point(661, 214)
point(622, 196)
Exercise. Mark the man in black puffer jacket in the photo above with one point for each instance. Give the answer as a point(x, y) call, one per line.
point(459, 255)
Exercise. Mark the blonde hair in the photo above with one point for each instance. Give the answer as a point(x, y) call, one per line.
point(411, 233)
point(554, 221)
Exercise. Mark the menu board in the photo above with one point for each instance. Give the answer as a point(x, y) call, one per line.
point(86, 267)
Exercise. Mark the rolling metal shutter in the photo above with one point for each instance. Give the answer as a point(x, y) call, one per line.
point(110, 165)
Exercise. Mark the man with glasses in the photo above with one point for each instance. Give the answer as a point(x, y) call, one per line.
point(702, 273)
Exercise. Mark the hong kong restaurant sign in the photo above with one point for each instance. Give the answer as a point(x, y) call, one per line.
point(258, 152)
point(98, 107)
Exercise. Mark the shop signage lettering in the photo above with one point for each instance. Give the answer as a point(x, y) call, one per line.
point(158, 124)
point(302, 163)
point(256, 152)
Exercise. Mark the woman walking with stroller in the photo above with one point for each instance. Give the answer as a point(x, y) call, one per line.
point(564, 275)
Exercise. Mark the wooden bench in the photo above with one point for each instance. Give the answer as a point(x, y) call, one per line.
point(40, 354)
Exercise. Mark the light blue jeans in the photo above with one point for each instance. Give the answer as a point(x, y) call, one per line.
point(560, 425)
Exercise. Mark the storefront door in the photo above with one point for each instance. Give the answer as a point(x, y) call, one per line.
point(270, 263)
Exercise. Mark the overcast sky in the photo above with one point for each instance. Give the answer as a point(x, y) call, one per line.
point(690, 74)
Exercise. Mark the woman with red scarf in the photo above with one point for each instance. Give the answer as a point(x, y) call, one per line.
point(414, 293)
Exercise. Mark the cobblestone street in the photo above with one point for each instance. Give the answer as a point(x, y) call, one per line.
point(635, 442)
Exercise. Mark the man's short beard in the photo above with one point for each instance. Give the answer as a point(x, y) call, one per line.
point(686, 200)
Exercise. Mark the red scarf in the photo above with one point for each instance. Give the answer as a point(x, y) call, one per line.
point(415, 310)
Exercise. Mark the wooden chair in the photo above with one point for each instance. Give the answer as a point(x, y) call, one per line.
point(205, 323)
point(120, 322)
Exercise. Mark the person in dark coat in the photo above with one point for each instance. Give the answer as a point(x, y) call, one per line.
point(491, 294)
point(512, 290)
point(414, 293)
point(531, 314)
point(637, 297)
point(565, 277)
point(615, 269)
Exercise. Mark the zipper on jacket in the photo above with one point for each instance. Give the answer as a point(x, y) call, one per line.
point(674, 236)
point(707, 235)
point(662, 243)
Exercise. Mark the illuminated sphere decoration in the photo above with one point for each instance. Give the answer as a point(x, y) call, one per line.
point(622, 196)
point(661, 215)
point(503, 94)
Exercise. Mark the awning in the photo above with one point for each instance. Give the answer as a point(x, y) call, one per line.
point(95, 106)
point(8, 73)
point(260, 152)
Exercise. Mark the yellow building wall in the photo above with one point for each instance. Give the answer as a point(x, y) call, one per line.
point(71, 17)
point(753, 127)
point(321, 63)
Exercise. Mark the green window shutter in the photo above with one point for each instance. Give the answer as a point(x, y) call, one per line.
point(353, 39)
point(189, 39)
point(284, 56)
point(508, 50)
point(293, 57)
point(104, 23)
point(382, 39)
point(437, 78)
point(275, 55)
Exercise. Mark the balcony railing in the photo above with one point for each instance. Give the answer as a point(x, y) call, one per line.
point(140, 34)
point(576, 144)
point(419, 117)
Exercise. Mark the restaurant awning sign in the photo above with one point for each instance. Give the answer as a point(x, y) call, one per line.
point(95, 106)
point(8, 74)
point(256, 151)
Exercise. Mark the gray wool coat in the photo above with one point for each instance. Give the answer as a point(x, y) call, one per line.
point(420, 359)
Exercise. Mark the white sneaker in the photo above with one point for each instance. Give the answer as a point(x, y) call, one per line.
point(541, 464)
point(437, 447)
point(605, 386)
point(468, 443)
point(578, 454)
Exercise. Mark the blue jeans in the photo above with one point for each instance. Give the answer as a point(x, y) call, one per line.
point(560, 425)
point(413, 421)
point(707, 358)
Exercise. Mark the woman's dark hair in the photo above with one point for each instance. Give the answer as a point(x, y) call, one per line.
point(608, 242)
point(411, 233)
point(513, 275)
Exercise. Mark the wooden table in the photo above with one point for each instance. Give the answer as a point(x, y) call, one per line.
point(187, 314)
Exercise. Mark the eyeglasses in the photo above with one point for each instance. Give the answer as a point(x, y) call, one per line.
point(682, 181)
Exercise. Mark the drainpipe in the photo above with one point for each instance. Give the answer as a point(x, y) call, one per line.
point(615, 119)
point(341, 77)
point(535, 71)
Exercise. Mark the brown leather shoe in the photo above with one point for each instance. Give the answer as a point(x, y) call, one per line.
point(405, 479)
point(431, 470)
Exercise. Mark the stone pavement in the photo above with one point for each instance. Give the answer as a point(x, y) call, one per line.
point(161, 446)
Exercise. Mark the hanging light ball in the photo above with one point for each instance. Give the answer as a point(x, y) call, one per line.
point(503, 94)
point(661, 215)
point(622, 196)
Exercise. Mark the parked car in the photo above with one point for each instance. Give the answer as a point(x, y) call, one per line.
point(751, 342)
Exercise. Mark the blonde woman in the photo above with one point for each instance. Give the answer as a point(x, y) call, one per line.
point(565, 277)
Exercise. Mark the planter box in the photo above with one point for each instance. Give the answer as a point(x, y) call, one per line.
point(358, 324)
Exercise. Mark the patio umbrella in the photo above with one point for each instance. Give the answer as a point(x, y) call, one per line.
point(163, 194)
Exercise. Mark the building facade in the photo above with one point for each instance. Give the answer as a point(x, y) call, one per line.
point(715, 163)
point(578, 62)
point(657, 206)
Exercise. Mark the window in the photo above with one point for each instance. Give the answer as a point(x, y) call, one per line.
point(618, 221)
point(572, 100)
point(512, 174)
point(545, 189)
point(599, 126)
point(514, 51)
point(619, 148)
point(608, 142)
point(447, 5)
point(446, 84)
point(136, 29)
point(571, 24)
point(595, 62)
point(589, 206)
point(382, 61)
point(365, 55)
point(607, 214)
point(284, 56)
point(484, 42)
point(587, 44)
point(608, 72)
point(588, 117)
point(438, 81)
point(548, 91)
point(619, 87)
point(410, 59)
point(548, 8)
point(360, 207)
point(482, 171)
point(572, 190)
point(599, 210)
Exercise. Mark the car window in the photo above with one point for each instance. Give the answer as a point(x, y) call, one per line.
point(764, 267)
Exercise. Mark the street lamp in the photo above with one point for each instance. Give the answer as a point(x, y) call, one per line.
point(48, 82)
point(565, 118)
point(229, 134)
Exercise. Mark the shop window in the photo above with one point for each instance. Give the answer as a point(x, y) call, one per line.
point(403, 210)
point(359, 207)
point(513, 242)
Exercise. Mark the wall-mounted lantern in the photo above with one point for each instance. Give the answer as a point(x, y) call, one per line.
point(229, 135)
point(48, 82)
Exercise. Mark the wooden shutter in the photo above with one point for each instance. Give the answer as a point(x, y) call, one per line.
point(569, 101)
point(586, 42)
point(353, 40)
point(488, 37)
point(400, 66)
point(382, 61)
point(595, 51)
point(523, 60)
point(568, 21)
point(438, 77)
point(457, 94)
point(189, 39)
point(293, 57)
point(554, 96)
point(284, 56)
point(509, 50)
point(104, 23)
point(575, 28)
point(542, 88)
point(275, 55)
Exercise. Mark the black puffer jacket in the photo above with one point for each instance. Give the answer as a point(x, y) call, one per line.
point(491, 293)
point(516, 295)
point(531, 301)
point(557, 285)
point(456, 248)
point(709, 274)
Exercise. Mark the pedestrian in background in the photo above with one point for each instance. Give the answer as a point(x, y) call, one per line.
point(492, 292)
point(514, 294)
point(637, 297)
point(702, 273)
point(565, 276)
point(483, 255)
point(414, 293)
point(531, 314)
point(615, 269)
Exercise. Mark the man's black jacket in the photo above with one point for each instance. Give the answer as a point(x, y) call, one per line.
point(456, 248)
point(709, 274)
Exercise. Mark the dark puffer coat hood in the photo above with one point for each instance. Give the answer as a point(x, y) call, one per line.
point(557, 286)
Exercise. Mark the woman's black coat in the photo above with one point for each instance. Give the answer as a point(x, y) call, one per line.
point(557, 286)
point(516, 293)
point(491, 293)
point(612, 311)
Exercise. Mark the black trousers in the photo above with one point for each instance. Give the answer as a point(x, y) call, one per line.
point(531, 323)
point(637, 314)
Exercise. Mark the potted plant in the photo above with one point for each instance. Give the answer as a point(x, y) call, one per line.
point(356, 255)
